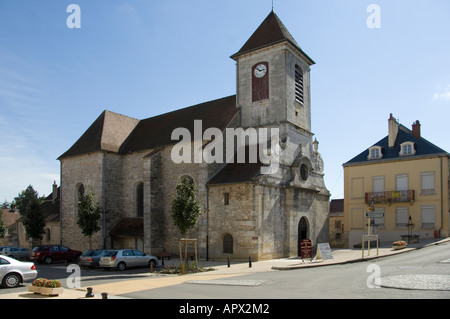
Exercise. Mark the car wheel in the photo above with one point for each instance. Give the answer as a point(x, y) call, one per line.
point(48, 260)
point(152, 262)
point(11, 280)
point(76, 258)
point(121, 266)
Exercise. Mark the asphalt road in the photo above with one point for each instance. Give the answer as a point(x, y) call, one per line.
point(347, 281)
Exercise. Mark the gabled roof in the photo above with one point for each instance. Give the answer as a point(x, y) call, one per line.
point(107, 133)
point(117, 133)
point(157, 131)
point(421, 145)
point(271, 31)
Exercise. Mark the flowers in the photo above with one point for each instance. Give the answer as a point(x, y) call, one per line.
point(399, 244)
point(48, 283)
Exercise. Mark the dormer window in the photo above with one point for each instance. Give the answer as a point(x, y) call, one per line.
point(407, 148)
point(375, 153)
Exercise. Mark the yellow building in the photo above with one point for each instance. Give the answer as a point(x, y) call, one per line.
point(405, 179)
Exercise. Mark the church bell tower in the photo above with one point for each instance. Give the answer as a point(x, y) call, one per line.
point(273, 82)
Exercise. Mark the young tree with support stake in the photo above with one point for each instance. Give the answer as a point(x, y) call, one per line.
point(89, 214)
point(185, 208)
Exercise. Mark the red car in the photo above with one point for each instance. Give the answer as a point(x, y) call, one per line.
point(49, 253)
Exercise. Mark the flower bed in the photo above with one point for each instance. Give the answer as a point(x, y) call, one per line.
point(46, 287)
point(399, 244)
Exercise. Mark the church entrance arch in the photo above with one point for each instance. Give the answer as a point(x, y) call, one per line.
point(303, 232)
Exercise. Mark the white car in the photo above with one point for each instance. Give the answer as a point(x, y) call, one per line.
point(14, 272)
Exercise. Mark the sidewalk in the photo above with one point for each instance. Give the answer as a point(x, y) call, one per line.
point(221, 271)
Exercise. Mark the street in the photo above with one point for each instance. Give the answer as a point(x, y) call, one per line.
point(346, 281)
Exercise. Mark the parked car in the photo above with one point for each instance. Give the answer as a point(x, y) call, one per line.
point(91, 258)
point(15, 252)
point(49, 253)
point(14, 272)
point(125, 258)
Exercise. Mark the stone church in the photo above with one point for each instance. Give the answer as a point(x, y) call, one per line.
point(128, 164)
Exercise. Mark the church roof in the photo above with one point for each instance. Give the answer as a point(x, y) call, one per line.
point(271, 31)
point(157, 131)
point(117, 133)
point(107, 133)
point(421, 146)
point(237, 172)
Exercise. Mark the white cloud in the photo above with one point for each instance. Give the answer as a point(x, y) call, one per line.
point(443, 96)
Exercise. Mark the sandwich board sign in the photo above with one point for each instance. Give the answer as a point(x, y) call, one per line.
point(305, 249)
point(324, 251)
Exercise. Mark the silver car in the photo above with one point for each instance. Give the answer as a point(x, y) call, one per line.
point(125, 258)
point(91, 258)
point(14, 272)
point(16, 252)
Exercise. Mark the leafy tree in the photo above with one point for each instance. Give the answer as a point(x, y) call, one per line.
point(89, 214)
point(185, 206)
point(3, 227)
point(33, 219)
point(24, 198)
point(5, 205)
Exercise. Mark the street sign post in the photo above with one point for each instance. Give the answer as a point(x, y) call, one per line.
point(374, 215)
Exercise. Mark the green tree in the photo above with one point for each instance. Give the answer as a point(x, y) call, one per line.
point(24, 198)
point(3, 227)
point(185, 206)
point(33, 219)
point(89, 215)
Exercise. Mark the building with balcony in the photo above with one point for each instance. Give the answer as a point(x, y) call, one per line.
point(405, 179)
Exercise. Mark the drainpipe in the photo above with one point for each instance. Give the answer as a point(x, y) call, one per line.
point(207, 222)
point(442, 200)
point(104, 199)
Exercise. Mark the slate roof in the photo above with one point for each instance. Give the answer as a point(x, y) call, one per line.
point(237, 172)
point(121, 134)
point(271, 31)
point(156, 131)
point(421, 145)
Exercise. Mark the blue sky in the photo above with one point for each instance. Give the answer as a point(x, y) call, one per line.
point(145, 57)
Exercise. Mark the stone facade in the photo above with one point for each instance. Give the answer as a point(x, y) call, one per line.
point(128, 165)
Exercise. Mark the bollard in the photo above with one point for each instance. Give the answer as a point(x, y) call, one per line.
point(151, 267)
point(104, 295)
point(89, 292)
point(249, 262)
point(182, 270)
point(228, 258)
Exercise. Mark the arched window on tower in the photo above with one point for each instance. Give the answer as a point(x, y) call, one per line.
point(299, 95)
point(140, 199)
point(79, 195)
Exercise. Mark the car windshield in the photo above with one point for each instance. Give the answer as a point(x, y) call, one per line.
point(110, 253)
point(88, 253)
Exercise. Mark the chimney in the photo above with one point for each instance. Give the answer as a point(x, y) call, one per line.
point(55, 192)
point(416, 129)
point(393, 130)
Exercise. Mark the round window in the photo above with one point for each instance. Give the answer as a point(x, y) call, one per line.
point(304, 172)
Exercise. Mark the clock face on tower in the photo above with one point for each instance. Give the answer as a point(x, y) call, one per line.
point(260, 81)
point(260, 70)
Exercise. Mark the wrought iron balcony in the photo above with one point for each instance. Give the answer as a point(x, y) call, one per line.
point(390, 197)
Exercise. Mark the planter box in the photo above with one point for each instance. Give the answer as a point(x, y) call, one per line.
point(46, 291)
